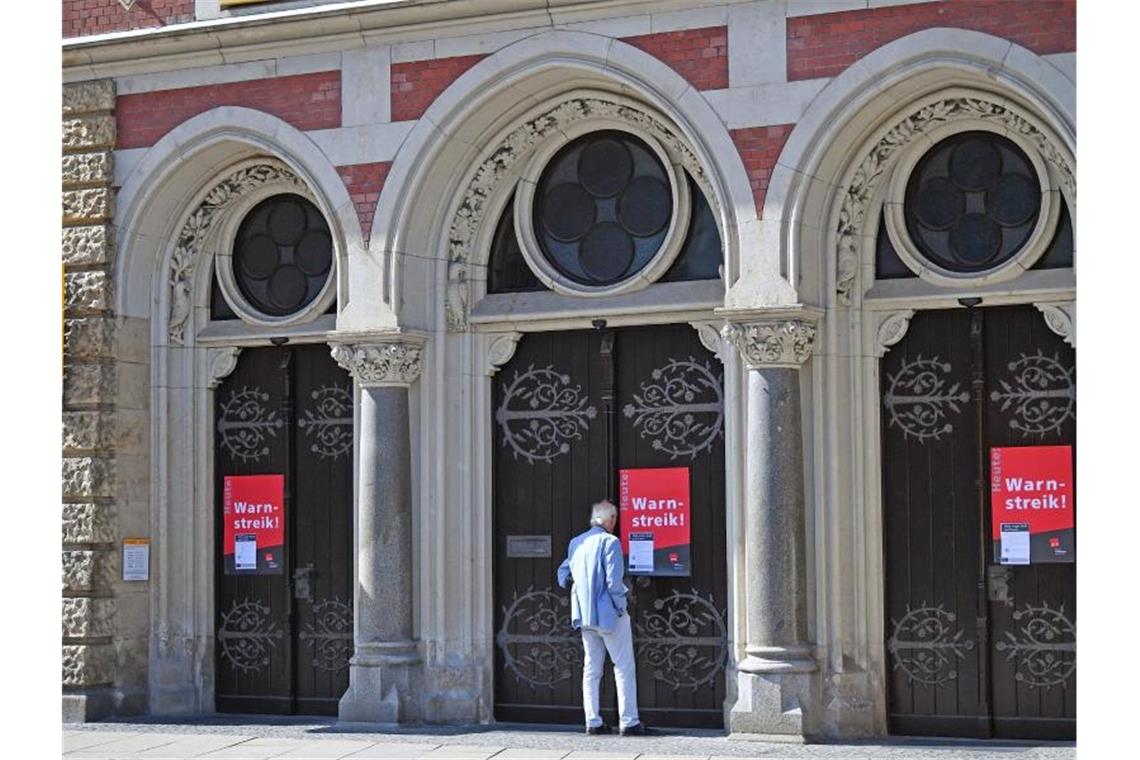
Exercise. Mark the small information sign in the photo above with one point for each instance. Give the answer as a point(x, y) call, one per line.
point(136, 559)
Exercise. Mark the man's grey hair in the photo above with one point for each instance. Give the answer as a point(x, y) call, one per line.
point(601, 512)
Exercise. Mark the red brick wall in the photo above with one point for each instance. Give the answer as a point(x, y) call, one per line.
point(415, 84)
point(364, 183)
point(83, 17)
point(699, 55)
point(824, 45)
point(759, 147)
point(307, 101)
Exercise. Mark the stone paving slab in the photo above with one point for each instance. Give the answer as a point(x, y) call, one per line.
point(190, 746)
point(261, 738)
point(76, 740)
point(392, 751)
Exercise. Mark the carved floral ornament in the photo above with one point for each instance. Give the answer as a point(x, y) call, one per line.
point(864, 180)
point(771, 344)
point(378, 364)
point(198, 226)
point(469, 216)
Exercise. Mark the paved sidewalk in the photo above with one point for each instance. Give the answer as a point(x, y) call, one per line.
point(256, 738)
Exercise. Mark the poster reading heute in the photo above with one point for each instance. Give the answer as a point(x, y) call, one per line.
point(656, 519)
point(253, 534)
point(1032, 504)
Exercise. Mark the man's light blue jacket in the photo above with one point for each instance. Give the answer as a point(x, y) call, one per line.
point(594, 560)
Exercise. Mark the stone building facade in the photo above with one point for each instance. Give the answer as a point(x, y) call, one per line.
point(874, 179)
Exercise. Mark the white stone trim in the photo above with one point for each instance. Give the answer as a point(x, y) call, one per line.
point(222, 362)
point(1061, 318)
point(764, 104)
point(757, 46)
point(671, 164)
point(365, 87)
point(365, 144)
point(892, 328)
point(1034, 247)
point(500, 350)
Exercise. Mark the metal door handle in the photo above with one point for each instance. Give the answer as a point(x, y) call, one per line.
point(997, 584)
point(303, 582)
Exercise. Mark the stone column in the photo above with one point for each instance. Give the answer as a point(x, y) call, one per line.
point(384, 671)
point(774, 680)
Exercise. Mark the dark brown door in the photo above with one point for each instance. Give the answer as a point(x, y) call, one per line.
point(284, 629)
point(974, 647)
point(571, 410)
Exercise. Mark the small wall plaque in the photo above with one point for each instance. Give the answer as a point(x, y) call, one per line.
point(528, 546)
point(136, 559)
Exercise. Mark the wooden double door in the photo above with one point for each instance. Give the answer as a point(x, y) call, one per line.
point(976, 647)
point(571, 409)
point(283, 425)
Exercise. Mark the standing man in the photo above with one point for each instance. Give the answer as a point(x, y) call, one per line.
point(598, 607)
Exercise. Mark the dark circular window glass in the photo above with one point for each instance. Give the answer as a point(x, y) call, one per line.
point(602, 208)
point(282, 255)
point(972, 202)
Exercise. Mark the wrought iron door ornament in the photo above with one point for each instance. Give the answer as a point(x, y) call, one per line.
point(541, 413)
point(684, 639)
point(246, 425)
point(544, 649)
point(681, 408)
point(1044, 648)
point(926, 645)
point(1041, 391)
point(920, 398)
point(329, 424)
point(247, 635)
point(329, 635)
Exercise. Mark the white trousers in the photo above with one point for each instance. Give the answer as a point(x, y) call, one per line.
point(619, 643)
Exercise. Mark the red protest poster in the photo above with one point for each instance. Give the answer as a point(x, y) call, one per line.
point(1032, 504)
point(253, 515)
point(655, 520)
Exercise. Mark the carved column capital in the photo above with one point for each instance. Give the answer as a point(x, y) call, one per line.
point(381, 363)
point(774, 343)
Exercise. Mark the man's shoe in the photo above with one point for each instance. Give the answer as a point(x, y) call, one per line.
point(597, 730)
point(639, 729)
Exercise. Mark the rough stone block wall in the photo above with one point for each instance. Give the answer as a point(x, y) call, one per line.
point(415, 84)
point(307, 101)
point(759, 148)
point(364, 183)
point(104, 620)
point(826, 44)
point(84, 17)
point(699, 55)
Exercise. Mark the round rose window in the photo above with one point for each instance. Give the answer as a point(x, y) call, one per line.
point(282, 255)
point(602, 208)
point(972, 202)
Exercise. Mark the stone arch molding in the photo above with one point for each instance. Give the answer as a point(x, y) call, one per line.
point(860, 190)
point(172, 179)
point(203, 225)
point(475, 215)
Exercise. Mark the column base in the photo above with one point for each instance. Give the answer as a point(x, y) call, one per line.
point(775, 660)
point(384, 684)
point(88, 705)
point(770, 707)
